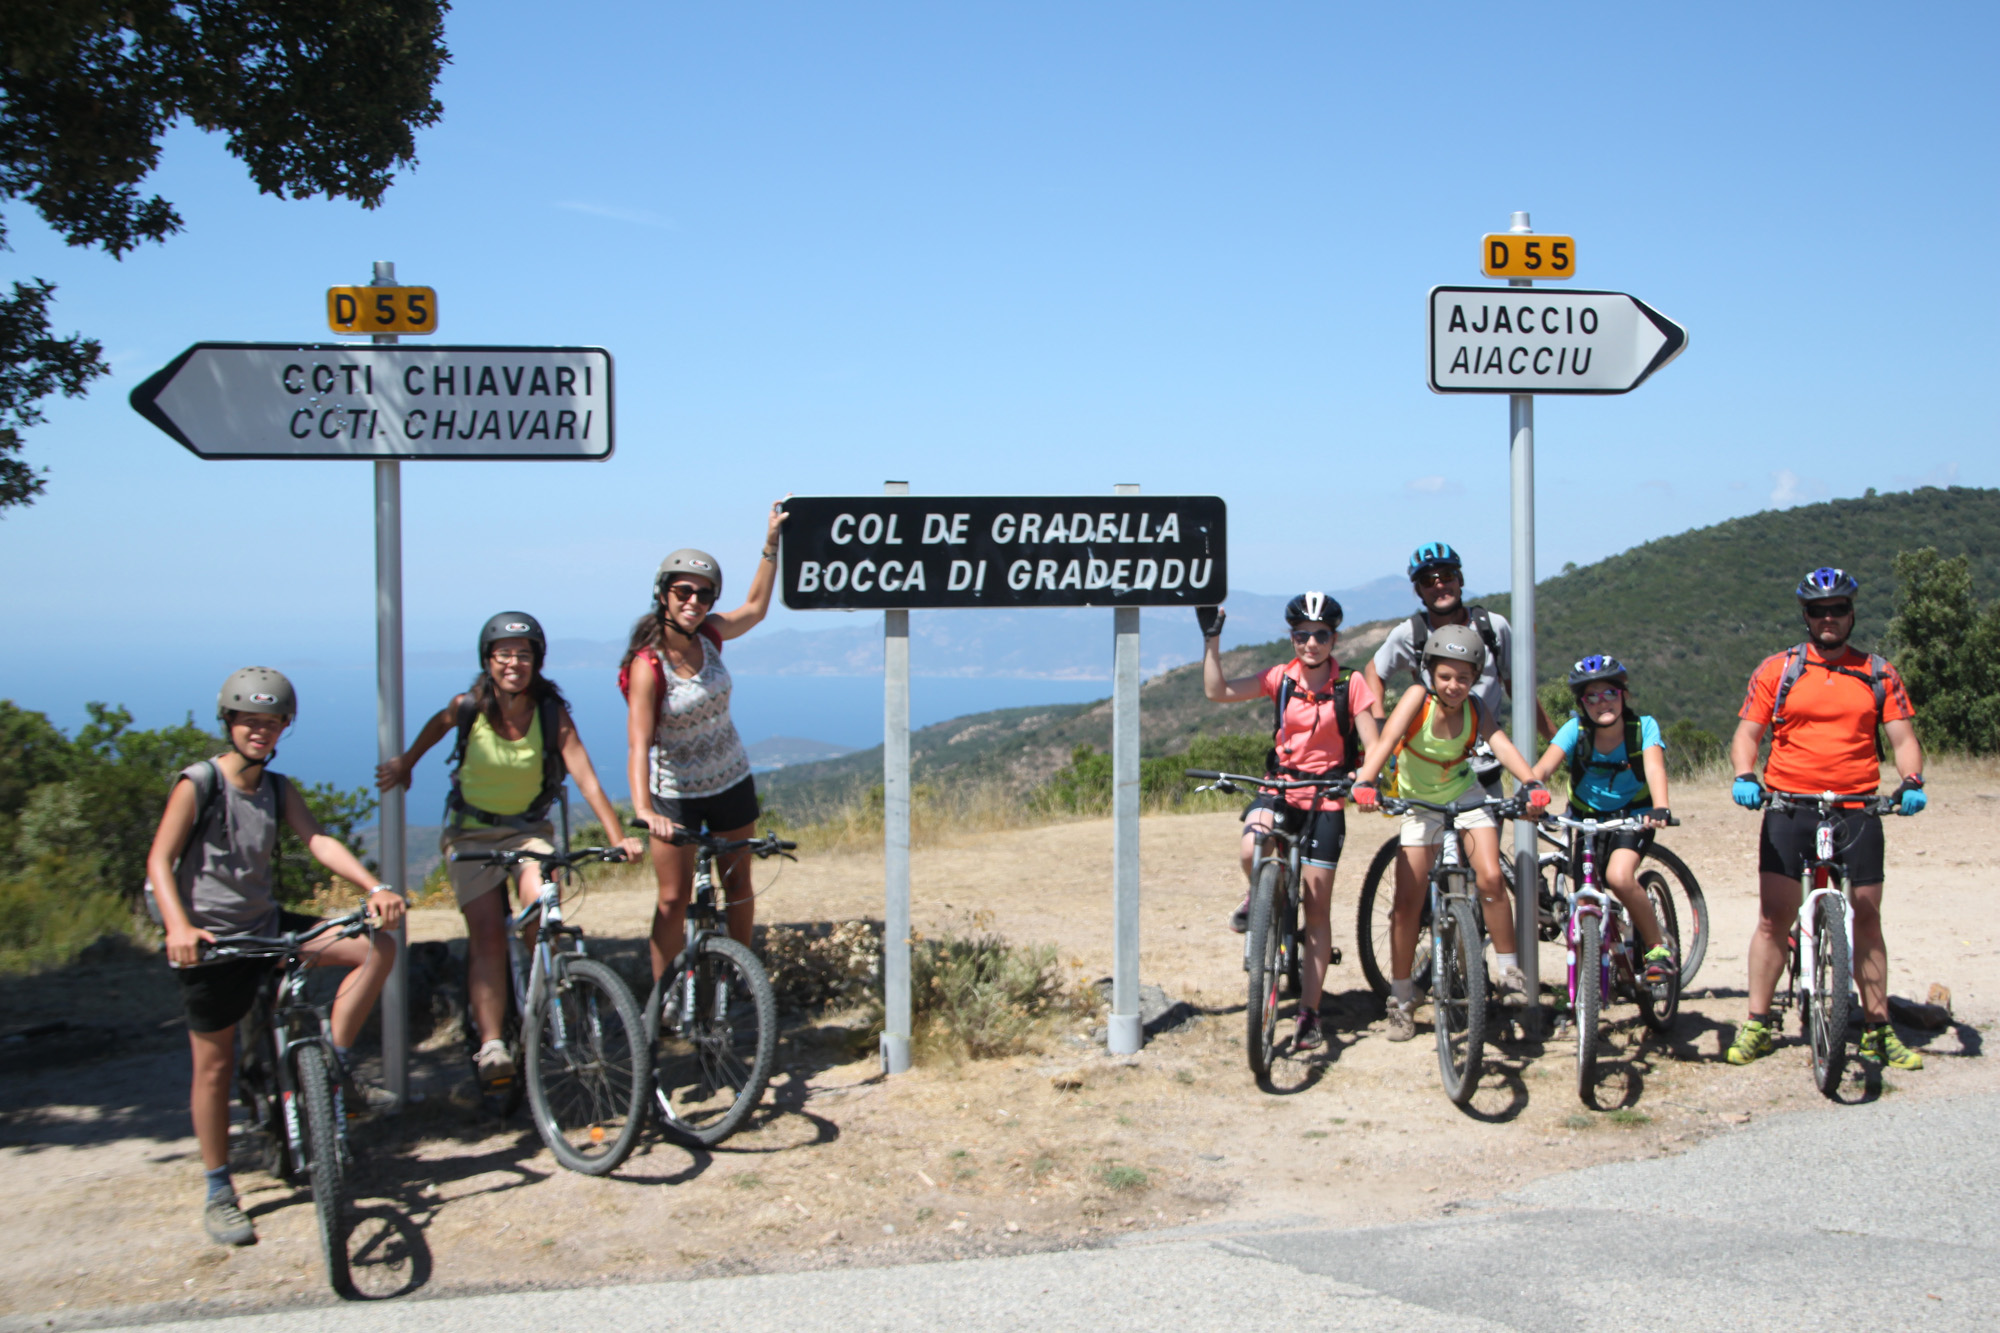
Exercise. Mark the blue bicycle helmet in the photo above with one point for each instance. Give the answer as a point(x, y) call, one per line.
point(1313, 606)
point(1433, 555)
point(1827, 583)
point(1594, 668)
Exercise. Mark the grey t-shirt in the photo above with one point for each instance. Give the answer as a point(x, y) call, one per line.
point(225, 874)
point(1396, 663)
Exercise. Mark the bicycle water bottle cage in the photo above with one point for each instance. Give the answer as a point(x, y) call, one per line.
point(1824, 844)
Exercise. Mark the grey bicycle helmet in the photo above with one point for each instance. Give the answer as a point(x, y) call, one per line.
point(688, 560)
point(513, 625)
point(1309, 606)
point(256, 689)
point(1456, 643)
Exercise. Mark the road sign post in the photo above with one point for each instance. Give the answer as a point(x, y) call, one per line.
point(1501, 340)
point(391, 844)
point(900, 551)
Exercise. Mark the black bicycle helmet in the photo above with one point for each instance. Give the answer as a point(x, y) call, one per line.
point(1434, 555)
point(1596, 667)
point(1313, 606)
point(1826, 583)
point(513, 625)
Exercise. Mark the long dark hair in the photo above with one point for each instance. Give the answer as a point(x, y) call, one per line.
point(648, 631)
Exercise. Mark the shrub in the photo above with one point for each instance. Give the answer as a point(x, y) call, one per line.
point(1945, 645)
point(978, 996)
point(1691, 750)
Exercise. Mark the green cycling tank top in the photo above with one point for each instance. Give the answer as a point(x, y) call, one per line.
point(500, 775)
point(1437, 768)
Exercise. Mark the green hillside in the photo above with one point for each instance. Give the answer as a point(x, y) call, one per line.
point(1693, 614)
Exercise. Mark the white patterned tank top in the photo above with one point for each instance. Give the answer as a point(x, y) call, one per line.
point(696, 751)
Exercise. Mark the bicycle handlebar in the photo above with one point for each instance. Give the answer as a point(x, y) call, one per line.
point(1228, 781)
point(766, 846)
point(519, 854)
point(1867, 802)
point(1629, 824)
point(348, 924)
point(1508, 807)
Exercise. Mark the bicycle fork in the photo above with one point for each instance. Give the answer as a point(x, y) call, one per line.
point(1821, 887)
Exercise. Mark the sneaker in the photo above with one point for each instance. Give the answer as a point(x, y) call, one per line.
point(1239, 920)
point(1509, 982)
point(1659, 966)
point(226, 1223)
point(1753, 1041)
point(1881, 1044)
point(1308, 1037)
point(494, 1062)
point(1402, 1019)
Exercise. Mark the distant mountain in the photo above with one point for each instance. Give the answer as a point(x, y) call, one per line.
point(778, 751)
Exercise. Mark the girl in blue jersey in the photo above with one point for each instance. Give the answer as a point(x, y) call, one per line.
point(1608, 781)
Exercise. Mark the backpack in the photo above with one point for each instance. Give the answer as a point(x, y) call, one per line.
point(707, 631)
point(207, 780)
point(553, 769)
point(1877, 677)
point(1584, 758)
point(1420, 632)
point(1472, 728)
point(1351, 750)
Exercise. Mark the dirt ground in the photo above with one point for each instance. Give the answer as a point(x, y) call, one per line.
point(1061, 1148)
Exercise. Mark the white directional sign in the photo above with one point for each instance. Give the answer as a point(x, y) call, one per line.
point(1521, 340)
point(276, 400)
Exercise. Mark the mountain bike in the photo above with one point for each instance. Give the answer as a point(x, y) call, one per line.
point(712, 1019)
point(1605, 949)
point(1458, 953)
point(1271, 951)
point(1666, 876)
point(290, 1080)
point(580, 1035)
point(1821, 963)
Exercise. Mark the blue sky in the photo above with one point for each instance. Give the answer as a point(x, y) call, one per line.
point(1033, 248)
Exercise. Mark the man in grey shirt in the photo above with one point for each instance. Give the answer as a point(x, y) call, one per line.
point(1438, 575)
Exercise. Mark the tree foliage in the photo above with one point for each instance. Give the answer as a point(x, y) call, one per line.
point(315, 99)
point(1947, 648)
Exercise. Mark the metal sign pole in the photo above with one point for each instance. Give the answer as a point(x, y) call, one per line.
point(1124, 1034)
point(389, 738)
point(896, 831)
point(1521, 437)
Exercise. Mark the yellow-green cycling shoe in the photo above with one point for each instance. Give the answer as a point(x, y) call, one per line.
point(1753, 1042)
point(1884, 1047)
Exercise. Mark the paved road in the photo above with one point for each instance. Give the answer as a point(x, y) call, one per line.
point(1877, 1217)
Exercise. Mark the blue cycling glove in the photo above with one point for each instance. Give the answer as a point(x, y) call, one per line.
point(1913, 801)
point(1748, 792)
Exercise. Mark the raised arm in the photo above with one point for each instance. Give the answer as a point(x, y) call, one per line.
point(396, 772)
point(1215, 687)
point(757, 605)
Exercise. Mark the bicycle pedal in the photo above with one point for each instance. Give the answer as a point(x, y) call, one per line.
point(1333, 959)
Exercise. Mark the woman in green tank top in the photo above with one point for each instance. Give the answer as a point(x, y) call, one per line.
point(1432, 734)
point(500, 796)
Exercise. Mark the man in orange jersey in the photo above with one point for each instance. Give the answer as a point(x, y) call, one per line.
point(1822, 702)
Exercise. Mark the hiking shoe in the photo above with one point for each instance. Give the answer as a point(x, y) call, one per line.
point(1753, 1041)
point(1239, 920)
point(1659, 966)
point(1308, 1037)
point(1881, 1044)
point(1510, 983)
point(226, 1224)
point(494, 1062)
point(1402, 1019)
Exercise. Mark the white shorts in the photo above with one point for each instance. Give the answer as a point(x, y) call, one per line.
point(1422, 828)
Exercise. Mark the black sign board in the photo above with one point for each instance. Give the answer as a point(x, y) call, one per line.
point(877, 552)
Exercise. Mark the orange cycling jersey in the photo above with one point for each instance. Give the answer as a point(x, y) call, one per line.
point(1827, 739)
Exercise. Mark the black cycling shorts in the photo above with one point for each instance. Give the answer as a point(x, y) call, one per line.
point(1322, 841)
point(1786, 843)
point(724, 812)
point(217, 995)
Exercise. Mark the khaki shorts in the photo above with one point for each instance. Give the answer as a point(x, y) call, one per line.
point(1421, 828)
point(477, 879)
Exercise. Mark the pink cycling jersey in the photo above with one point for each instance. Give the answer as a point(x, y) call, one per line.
point(1310, 738)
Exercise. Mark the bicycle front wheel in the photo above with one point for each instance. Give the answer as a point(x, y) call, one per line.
point(1371, 922)
point(1589, 972)
point(1458, 1000)
point(717, 1045)
point(586, 1066)
point(322, 1134)
point(1689, 905)
point(1831, 979)
point(1267, 906)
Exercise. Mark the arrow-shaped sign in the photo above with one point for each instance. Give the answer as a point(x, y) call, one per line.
point(1521, 340)
point(282, 400)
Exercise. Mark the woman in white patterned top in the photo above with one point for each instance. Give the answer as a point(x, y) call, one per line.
point(686, 763)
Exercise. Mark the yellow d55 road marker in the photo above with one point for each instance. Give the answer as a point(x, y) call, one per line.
point(1515, 255)
point(381, 309)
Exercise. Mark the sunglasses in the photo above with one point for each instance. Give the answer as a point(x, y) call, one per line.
point(1829, 610)
point(1438, 580)
point(1312, 636)
point(690, 591)
point(1604, 695)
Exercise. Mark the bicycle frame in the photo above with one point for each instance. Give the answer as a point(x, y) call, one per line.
point(1586, 898)
point(1823, 876)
